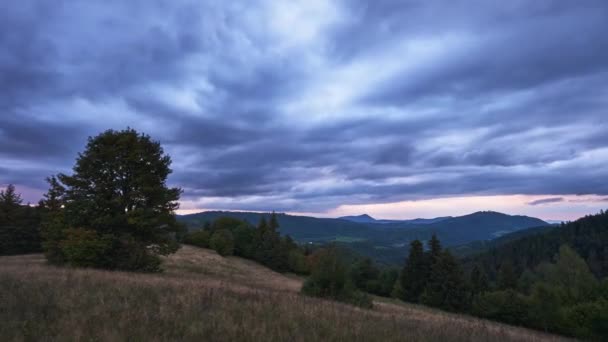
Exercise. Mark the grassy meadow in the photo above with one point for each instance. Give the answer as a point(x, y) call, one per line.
point(201, 296)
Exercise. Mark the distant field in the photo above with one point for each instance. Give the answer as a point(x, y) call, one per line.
point(202, 296)
point(349, 239)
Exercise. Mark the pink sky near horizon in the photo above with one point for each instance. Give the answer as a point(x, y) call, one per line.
point(561, 208)
point(568, 208)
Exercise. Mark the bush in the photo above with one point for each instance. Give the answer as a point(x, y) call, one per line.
point(199, 238)
point(505, 306)
point(222, 241)
point(297, 262)
point(587, 320)
point(329, 279)
point(84, 247)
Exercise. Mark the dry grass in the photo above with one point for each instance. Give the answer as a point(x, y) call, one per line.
point(204, 297)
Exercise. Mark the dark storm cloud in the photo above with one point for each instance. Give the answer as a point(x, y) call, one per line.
point(308, 105)
point(547, 201)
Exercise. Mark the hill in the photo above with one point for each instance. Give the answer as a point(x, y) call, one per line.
point(588, 236)
point(202, 296)
point(360, 218)
point(386, 242)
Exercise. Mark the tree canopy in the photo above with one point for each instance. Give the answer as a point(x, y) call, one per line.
point(118, 191)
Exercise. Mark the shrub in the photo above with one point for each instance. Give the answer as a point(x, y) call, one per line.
point(84, 247)
point(222, 241)
point(505, 306)
point(199, 238)
point(329, 279)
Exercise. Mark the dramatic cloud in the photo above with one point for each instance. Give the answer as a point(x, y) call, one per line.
point(547, 201)
point(311, 106)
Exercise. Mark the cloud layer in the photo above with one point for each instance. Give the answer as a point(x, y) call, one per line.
point(310, 105)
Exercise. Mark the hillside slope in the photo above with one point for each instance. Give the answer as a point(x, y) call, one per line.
point(387, 243)
point(202, 296)
point(588, 236)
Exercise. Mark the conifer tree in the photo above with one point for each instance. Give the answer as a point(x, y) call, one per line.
point(446, 288)
point(434, 248)
point(506, 276)
point(414, 275)
point(479, 280)
point(10, 203)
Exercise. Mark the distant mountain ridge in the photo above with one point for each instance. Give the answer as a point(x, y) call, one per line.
point(365, 218)
point(387, 242)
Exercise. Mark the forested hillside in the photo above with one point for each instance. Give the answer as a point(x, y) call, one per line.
point(588, 236)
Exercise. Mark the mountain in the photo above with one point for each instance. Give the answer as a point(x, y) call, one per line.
point(387, 243)
point(588, 236)
point(360, 219)
point(480, 246)
point(365, 218)
point(301, 228)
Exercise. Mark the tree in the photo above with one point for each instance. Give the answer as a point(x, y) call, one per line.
point(446, 288)
point(415, 273)
point(118, 189)
point(506, 277)
point(19, 224)
point(434, 248)
point(273, 224)
point(479, 280)
point(571, 273)
point(364, 275)
point(329, 279)
point(53, 221)
point(222, 241)
point(10, 203)
point(505, 306)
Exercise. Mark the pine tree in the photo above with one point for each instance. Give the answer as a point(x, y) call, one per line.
point(10, 203)
point(53, 221)
point(434, 248)
point(273, 224)
point(414, 274)
point(506, 277)
point(446, 288)
point(479, 280)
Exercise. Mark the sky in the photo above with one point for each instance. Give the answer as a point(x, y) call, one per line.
point(398, 109)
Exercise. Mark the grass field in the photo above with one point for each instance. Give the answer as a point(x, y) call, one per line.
point(204, 297)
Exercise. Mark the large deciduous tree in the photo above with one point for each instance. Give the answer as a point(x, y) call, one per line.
point(118, 191)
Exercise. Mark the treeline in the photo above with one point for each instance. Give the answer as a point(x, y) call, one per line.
point(19, 224)
point(333, 272)
point(262, 243)
point(588, 236)
point(558, 293)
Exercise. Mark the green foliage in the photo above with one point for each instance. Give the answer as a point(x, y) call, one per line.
point(199, 238)
point(222, 241)
point(118, 189)
point(329, 279)
point(297, 262)
point(506, 277)
point(479, 280)
point(587, 236)
point(571, 274)
point(545, 304)
point(564, 297)
point(85, 247)
point(415, 273)
point(446, 288)
point(53, 222)
point(228, 236)
point(506, 306)
point(19, 224)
